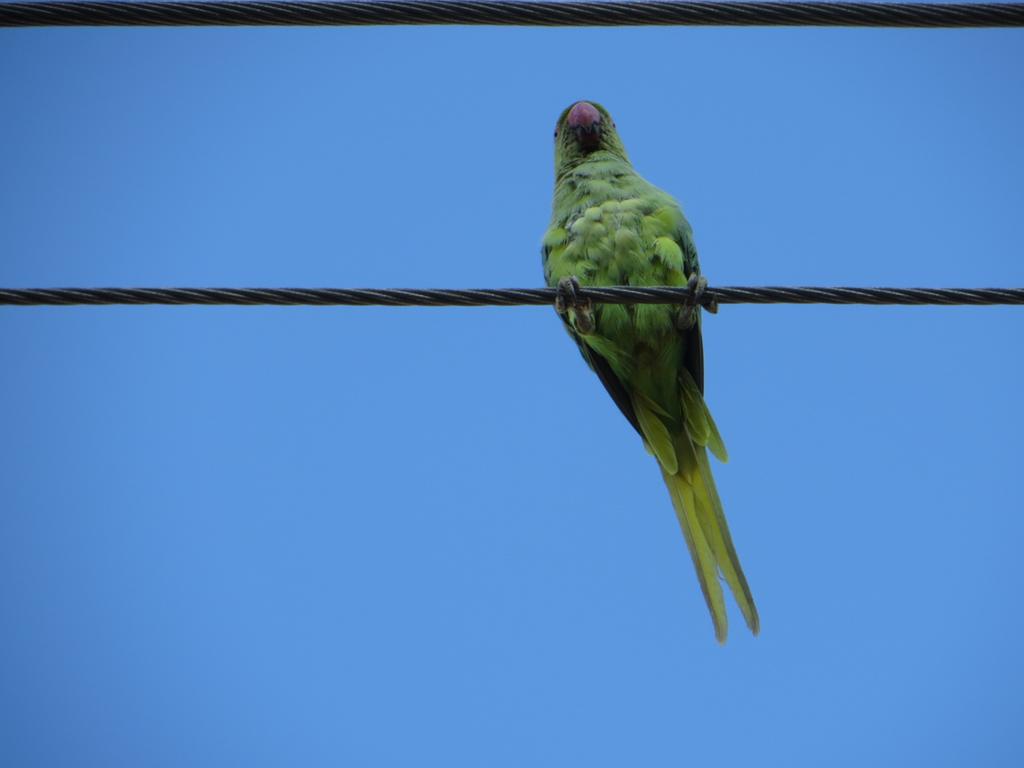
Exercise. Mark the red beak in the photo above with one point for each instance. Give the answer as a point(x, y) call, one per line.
point(585, 121)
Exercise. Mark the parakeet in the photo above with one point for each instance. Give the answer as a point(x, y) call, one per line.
point(611, 227)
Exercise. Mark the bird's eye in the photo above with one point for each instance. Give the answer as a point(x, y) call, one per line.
point(556, 132)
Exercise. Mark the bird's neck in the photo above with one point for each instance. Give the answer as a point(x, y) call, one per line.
point(599, 177)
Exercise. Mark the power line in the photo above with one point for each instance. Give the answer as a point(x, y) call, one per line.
point(445, 297)
point(546, 14)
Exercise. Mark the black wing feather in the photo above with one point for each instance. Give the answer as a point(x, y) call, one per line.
point(693, 355)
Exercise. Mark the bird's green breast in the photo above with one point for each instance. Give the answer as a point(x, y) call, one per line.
point(611, 227)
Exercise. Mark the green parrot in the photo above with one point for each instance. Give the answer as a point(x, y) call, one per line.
point(611, 227)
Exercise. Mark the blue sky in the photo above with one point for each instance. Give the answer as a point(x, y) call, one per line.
point(389, 537)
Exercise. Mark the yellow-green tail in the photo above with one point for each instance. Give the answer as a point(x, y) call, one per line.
point(684, 465)
point(707, 536)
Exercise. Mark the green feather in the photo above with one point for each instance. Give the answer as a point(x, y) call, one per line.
point(701, 425)
point(703, 558)
point(656, 435)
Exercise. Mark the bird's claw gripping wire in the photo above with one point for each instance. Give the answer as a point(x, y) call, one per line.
point(697, 286)
point(567, 294)
point(578, 311)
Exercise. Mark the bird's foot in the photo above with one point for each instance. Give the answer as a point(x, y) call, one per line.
point(568, 302)
point(567, 295)
point(697, 286)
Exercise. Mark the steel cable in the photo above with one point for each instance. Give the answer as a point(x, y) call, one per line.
point(444, 297)
point(547, 14)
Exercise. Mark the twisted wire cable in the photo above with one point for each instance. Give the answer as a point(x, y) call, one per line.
point(445, 297)
point(491, 12)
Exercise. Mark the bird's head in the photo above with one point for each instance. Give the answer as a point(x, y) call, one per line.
point(582, 129)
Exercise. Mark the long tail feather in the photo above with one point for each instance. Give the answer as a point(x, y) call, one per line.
point(702, 520)
point(713, 517)
point(703, 558)
point(684, 463)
